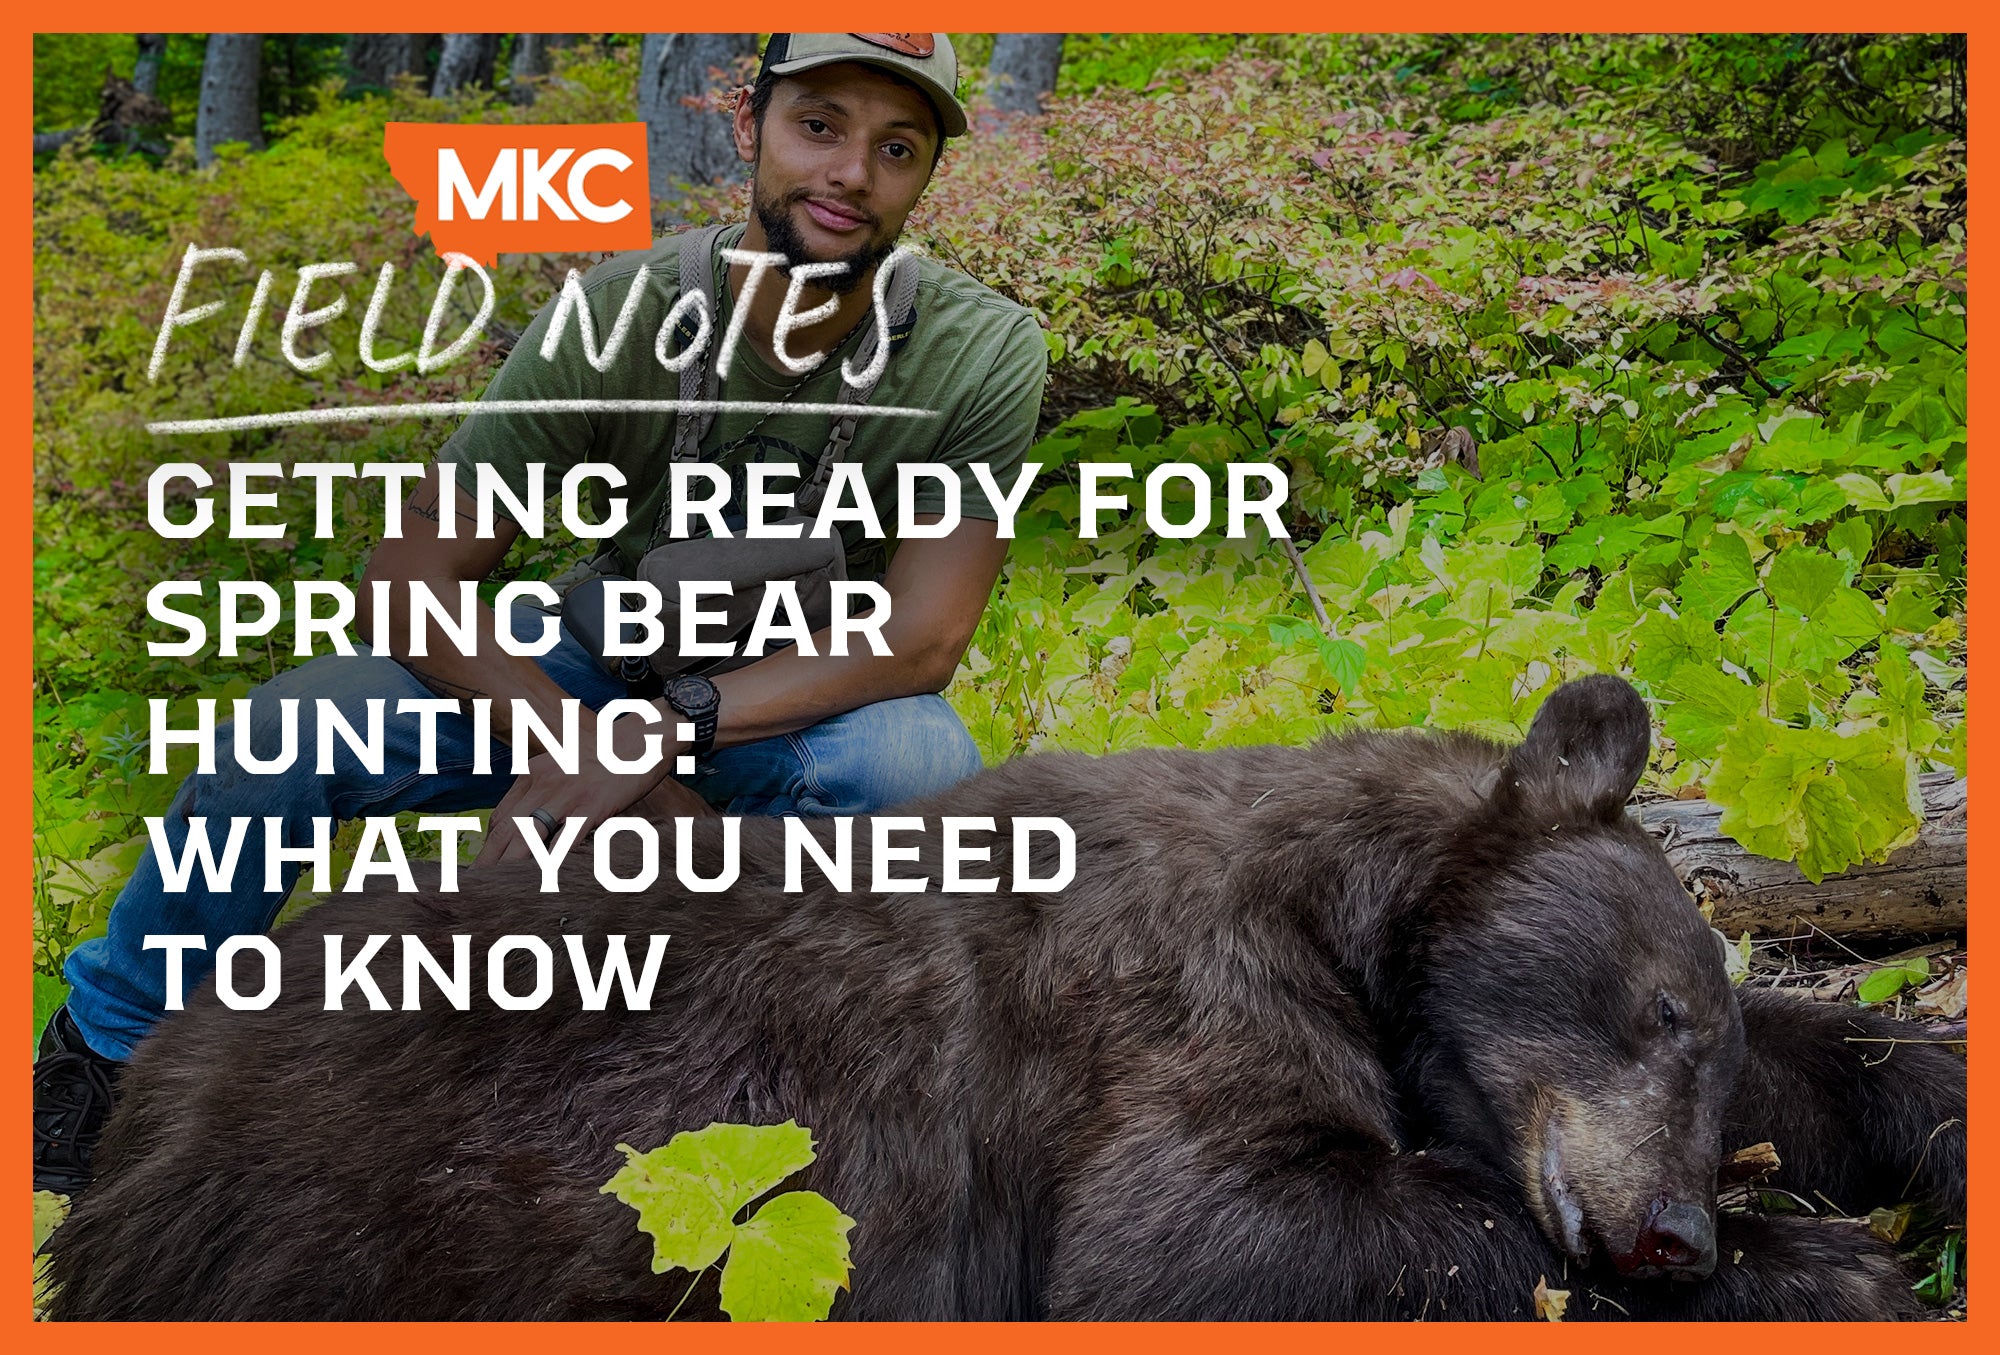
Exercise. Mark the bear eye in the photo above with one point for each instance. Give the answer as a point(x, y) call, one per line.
point(1671, 1017)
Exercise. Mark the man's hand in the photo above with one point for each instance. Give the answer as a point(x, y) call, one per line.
point(593, 793)
point(937, 586)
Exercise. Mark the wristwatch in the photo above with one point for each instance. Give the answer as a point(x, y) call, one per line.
point(696, 698)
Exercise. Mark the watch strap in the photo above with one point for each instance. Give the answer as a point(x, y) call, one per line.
point(705, 720)
point(704, 733)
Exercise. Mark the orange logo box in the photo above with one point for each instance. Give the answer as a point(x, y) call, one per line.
point(484, 191)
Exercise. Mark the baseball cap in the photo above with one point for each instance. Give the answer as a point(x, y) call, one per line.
point(925, 59)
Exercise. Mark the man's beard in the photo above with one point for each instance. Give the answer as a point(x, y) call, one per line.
point(781, 236)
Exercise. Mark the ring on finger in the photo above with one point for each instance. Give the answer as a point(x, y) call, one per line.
point(550, 827)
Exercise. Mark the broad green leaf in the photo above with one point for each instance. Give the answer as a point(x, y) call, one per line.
point(1717, 577)
point(1801, 578)
point(1931, 487)
point(688, 1192)
point(1886, 982)
point(1097, 607)
point(1340, 570)
point(50, 1211)
point(1769, 641)
point(1597, 541)
point(1846, 620)
point(1663, 644)
point(1911, 607)
point(1481, 699)
point(1532, 634)
point(1704, 705)
point(1899, 700)
point(1852, 539)
point(1880, 777)
point(1345, 660)
point(683, 1213)
point(1863, 492)
point(1818, 501)
point(1832, 828)
point(1823, 799)
point(788, 1261)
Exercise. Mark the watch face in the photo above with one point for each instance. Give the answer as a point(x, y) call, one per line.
point(691, 694)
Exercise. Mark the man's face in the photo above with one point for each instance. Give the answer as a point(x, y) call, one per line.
point(843, 155)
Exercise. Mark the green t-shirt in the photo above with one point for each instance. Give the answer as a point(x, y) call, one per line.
point(975, 358)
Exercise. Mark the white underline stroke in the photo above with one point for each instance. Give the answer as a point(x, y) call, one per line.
point(470, 408)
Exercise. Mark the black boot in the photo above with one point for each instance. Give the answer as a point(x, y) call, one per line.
point(74, 1087)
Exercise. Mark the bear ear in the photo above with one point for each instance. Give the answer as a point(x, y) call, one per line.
point(1585, 751)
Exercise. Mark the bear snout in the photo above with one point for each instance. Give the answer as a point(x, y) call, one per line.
point(1677, 1240)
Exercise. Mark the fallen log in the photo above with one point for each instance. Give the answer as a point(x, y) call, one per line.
point(48, 143)
point(1918, 891)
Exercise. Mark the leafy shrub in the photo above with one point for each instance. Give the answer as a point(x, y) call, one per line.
point(1722, 429)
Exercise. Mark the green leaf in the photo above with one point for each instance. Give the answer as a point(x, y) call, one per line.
point(1605, 541)
point(1718, 577)
point(1823, 799)
point(1802, 578)
point(1942, 1282)
point(688, 1192)
point(1890, 980)
point(1481, 699)
point(1900, 700)
point(1863, 492)
point(1345, 660)
point(1852, 539)
point(1846, 620)
point(50, 1211)
point(1832, 839)
point(788, 1262)
point(683, 1213)
point(1705, 705)
point(1810, 344)
point(1912, 608)
point(1931, 487)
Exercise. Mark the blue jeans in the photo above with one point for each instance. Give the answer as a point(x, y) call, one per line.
point(858, 763)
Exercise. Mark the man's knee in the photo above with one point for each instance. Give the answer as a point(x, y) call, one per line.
point(889, 753)
point(349, 683)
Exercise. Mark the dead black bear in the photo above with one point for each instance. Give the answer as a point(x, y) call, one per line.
point(1394, 1025)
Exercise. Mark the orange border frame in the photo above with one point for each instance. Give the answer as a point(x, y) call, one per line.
point(16, 648)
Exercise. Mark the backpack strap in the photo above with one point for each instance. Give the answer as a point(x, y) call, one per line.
point(698, 380)
point(901, 296)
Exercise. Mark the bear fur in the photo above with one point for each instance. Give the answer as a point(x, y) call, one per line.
point(1395, 1025)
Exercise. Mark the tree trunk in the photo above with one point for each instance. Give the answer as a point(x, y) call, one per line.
point(146, 71)
point(230, 69)
point(374, 60)
point(531, 62)
point(1918, 891)
point(687, 145)
point(467, 60)
point(1023, 70)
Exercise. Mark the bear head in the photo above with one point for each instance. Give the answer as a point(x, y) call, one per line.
point(1580, 1001)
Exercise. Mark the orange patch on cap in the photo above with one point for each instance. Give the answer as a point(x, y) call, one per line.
point(909, 44)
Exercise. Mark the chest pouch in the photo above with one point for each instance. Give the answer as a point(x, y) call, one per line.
point(811, 565)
